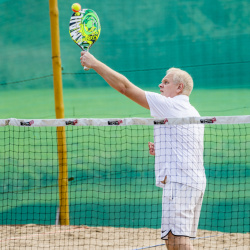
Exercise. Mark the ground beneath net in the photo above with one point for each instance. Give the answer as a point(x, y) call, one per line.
point(33, 236)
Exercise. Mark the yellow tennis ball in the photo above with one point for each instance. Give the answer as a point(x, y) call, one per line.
point(76, 7)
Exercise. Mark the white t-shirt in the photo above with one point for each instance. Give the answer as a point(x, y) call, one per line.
point(178, 148)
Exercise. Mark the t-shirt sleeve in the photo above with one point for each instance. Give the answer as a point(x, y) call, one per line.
point(159, 105)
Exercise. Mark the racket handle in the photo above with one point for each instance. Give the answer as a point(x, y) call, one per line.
point(86, 68)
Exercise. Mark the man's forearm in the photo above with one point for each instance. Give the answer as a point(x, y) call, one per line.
point(113, 78)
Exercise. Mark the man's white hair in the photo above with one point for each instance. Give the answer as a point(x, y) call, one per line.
point(181, 76)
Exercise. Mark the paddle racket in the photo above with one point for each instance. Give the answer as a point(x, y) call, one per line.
point(84, 29)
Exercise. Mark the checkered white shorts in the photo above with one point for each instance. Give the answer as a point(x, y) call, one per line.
point(181, 206)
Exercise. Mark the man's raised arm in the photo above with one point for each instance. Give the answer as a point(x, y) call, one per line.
point(115, 79)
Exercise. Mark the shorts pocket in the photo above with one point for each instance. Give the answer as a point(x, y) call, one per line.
point(178, 191)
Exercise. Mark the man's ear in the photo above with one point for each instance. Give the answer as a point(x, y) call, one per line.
point(180, 88)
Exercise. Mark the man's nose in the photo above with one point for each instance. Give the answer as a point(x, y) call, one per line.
point(160, 85)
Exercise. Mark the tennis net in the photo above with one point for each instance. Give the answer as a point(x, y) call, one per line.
point(113, 200)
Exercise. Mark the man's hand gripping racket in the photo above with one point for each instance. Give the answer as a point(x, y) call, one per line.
point(84, 28)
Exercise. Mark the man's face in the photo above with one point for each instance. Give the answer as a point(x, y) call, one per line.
point(167, 86)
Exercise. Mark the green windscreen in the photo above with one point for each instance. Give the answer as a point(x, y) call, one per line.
point(141, 39)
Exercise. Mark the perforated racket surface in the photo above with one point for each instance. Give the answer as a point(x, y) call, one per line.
point(84, 28)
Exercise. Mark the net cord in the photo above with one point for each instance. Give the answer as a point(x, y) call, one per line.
point(124, 121)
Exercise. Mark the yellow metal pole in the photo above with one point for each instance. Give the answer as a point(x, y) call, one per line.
point(59, 107)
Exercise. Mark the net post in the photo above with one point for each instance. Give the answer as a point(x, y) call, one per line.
point(63, 176)
point(59, 108)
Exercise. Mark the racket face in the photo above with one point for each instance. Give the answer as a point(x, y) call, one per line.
point(84, 28)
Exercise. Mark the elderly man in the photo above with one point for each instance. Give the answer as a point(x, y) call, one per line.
point(178, 149)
